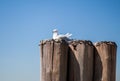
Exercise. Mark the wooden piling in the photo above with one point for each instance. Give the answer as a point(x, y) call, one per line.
point(105, 61)
point(54, 60)
point(80, 61)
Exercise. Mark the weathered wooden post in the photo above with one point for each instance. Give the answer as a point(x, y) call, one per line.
point(80, 66)
point(54, 60)
point(105, 61)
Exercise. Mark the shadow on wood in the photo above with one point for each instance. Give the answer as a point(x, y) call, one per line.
point(73, 67)
point(97, 69)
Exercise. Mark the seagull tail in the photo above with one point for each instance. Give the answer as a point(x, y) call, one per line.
point(68, 35)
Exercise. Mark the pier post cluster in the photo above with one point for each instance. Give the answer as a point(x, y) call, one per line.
point(78, 60)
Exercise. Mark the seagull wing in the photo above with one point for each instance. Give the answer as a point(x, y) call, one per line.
point(64, 36)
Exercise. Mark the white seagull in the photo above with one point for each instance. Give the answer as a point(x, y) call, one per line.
point(61, 36)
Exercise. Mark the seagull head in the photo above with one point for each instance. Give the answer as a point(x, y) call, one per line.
point(55, 31)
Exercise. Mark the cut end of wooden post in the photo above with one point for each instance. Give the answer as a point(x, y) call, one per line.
point(87, 42)
point(105, 42)
point(42, 42)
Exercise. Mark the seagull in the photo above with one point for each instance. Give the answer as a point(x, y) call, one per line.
point(60, 36)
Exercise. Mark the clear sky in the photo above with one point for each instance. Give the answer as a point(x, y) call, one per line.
point(23, 23)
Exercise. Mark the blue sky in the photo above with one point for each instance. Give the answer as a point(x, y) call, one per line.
point(23, 23)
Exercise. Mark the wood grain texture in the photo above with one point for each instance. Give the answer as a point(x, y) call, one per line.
point(80, 61)
point(54, 60)
point(105, 61)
